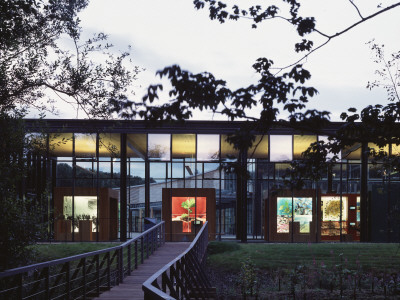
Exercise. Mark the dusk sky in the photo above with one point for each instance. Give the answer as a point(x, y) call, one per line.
point(163, 33)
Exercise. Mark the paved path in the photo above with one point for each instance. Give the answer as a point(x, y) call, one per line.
point(131, 288)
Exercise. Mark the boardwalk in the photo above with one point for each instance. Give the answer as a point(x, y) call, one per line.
point(132, 286)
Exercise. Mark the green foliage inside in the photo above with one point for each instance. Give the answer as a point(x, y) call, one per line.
point(379, 257)
point(188, 204)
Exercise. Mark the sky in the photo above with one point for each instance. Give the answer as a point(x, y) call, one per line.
point(163, 33)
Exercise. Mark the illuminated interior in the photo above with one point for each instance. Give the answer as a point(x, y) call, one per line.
point(183, 145)
point(85, 209)
point(109, 145)
point(159, 146)
point(281, 147)
point(301, 143)
point(302, 213)
point(207, 147)
point(85, 144)
point(189, 210)
point(227, 150)
point(136, 145)
point(330, 206)
point(259, 149)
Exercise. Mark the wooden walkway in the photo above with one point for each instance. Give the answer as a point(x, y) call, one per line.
point(131, 288)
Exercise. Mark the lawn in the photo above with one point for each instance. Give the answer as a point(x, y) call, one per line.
point(379, 257)
point(46, 252)
point(308, 271)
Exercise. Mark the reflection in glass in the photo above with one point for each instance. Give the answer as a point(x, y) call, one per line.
point(207, 147)
point(281, 147)
point(109, 144)
point(227, 149)
point(60, 144)
point(352, 152)
point(136, 145)
point(259, 148)
point(159, 146)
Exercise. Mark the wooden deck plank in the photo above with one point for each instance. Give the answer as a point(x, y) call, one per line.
point(131, 288)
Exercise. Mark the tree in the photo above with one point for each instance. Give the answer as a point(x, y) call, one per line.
point(42, 56)
point(284, 86)
point(20, 222)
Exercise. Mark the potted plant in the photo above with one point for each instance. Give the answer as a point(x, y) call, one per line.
point(185, 217)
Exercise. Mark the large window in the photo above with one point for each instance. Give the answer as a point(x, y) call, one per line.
point(281, 147)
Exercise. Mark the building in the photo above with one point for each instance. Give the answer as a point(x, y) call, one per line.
point(104, 177)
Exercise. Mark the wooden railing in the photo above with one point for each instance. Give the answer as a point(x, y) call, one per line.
point(81, 276)
point(184, 277)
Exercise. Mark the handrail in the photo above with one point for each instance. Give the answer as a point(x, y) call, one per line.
point(184, 276)
point(97, 270)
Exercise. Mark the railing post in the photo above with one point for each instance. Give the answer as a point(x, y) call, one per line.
point(84, 277)
point(141, 249)
point(121, 264)
point(21, 285)
point(108, 271)
point(136, 255)
point(47, 282)
point(68, 280)
point(147, 245)
point(97, 275)
point(129, 259)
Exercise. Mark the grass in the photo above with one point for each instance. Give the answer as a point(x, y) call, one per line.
point(46, 252)
point(377, 257)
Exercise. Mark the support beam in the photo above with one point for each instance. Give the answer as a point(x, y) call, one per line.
point(364, 228)
point(123, 192)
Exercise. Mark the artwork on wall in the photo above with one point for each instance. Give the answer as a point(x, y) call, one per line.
point(331, 208)
point(284, 214)
point(302, 213)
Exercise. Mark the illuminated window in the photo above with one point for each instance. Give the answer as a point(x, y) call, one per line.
point(301, 143)
point(302, 213)
point(207, 147)
point(85, 145)
point(136, 145)
point(227, 149)
point(183, 145)
point(159, 146)
point(259, 148)
point(60, 144)
point(281, 147)
point(85, 209)
point(190, 211)
point(109, 145)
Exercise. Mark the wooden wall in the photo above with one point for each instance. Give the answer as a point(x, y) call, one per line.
point(107, 203)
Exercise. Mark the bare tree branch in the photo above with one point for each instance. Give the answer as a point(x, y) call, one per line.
point(358, 11)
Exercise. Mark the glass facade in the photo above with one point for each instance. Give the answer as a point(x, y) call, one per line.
point(134, 166)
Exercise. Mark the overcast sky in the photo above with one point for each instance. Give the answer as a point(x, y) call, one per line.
point(163, 33)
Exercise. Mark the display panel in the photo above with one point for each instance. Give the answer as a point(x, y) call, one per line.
point(331, 208)
point(302, 213)
point(189, 210)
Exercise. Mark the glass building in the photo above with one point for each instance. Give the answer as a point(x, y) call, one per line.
point(102, 179)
